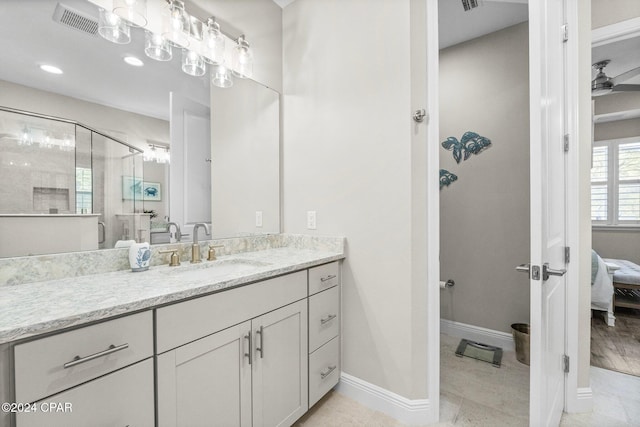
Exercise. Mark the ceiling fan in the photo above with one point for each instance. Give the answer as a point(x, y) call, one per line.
point(604, 84)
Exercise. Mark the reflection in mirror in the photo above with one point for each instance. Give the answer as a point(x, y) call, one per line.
point(97, 88)
point(245, 152)
point(56, 199)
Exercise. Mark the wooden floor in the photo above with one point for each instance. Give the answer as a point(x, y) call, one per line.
point(617, 348)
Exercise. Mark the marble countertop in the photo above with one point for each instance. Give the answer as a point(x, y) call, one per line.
point(35, 308)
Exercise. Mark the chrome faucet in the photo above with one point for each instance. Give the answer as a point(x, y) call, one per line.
point(177, 234)
point(195, 248)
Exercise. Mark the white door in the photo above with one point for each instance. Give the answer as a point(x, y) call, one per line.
point(280, 375)
point(548, 219)
point(190, 176)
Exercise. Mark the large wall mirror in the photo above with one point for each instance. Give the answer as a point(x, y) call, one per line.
point(223, 144)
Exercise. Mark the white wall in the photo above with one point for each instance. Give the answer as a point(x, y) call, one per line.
point(484, 215)
point(607, 12)
point(618, 129)
point(348, 156)
point(618, 244)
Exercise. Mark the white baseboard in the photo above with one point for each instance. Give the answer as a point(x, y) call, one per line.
point(581, 402)
point(407, 411)
point(478, 334)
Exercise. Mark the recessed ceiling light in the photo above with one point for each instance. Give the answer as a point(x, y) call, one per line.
point(50, 69)
point(132, 60)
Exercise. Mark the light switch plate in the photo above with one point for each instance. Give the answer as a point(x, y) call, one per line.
point(311, 220)
point(258, 218)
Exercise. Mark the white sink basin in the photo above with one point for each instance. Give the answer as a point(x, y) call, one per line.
point(214, 269)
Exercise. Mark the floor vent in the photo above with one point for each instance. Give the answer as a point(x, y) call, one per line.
point(479, 351)
point(76, 20)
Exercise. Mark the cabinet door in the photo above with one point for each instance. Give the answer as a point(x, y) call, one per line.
point(207, 382)
point(122, 398)
point(280, 381)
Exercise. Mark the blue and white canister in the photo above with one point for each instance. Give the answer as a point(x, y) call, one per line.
point(139, 256)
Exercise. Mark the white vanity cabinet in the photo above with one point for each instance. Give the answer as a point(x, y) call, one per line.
point(252, 373)
point(100, 374)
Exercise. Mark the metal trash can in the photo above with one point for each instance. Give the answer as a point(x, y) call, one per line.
point(520, 333)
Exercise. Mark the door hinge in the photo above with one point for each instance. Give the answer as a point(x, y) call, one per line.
point(567, 255)
point(565, 363)
point(565, 32)
point(566, 142)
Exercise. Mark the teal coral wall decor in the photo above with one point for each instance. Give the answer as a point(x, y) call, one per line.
point(471, 143)
point(446, 178)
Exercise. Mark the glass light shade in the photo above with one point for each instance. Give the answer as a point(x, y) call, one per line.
point(112, 28)
point(192, 63)
point(156, 47)
point(242, 59)
point(213, 42)
point(134, 11)
point(25, 137)
point(175, 23)
point(221, 76)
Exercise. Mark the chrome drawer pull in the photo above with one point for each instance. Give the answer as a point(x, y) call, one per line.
point(261, 348)
point(329, 318)
point(329, 277)
point(326, 373)
point(248, 337)
point(78, 360)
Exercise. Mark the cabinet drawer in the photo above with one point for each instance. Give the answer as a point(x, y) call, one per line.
point(188, 321)
point(123, 398)
point(324, 370)
point(324, 317)
point(323, 277)
point(40, 364)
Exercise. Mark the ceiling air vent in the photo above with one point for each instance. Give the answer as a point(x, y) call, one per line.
point(76, 20)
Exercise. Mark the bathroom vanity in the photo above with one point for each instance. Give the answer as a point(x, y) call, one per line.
point(252, 339)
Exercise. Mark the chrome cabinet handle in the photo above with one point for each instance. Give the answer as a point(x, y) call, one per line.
point(78, 360)
point(330, 369)
point(261, 348)
point(329, 318)
point(248, 354)
point(329, 277)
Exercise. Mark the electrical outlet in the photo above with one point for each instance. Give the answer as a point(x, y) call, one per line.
point(258, 218)
point(311, 220)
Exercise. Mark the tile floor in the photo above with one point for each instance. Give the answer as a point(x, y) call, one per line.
point(474, 393)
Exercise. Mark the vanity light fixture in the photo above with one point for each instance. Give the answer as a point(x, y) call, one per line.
point(242, 59)
point(171, 26)
point(133, 11)
point(192, 63)
point(50, 69)
point(157, 47)
point(132, 60)
point(175, 25)
point(157, 153)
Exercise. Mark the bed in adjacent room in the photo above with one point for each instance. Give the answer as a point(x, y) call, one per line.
point(602, 287)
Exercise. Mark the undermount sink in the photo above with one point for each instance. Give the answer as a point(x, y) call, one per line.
point(215, 269)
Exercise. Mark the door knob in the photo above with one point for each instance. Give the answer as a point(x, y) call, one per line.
point(527, 268)
point(546, 272)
